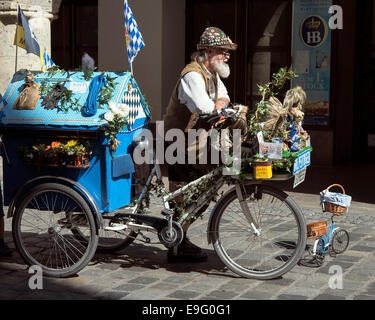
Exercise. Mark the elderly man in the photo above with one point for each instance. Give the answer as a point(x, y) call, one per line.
point(199, 90)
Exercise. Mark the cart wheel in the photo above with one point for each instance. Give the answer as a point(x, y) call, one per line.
point(42, 230)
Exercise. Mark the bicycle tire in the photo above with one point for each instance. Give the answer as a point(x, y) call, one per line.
point(240, 237)
point(340, 241)
point(112, 241)
point(42, 225)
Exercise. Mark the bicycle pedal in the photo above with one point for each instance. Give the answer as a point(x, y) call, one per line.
point(167, 212)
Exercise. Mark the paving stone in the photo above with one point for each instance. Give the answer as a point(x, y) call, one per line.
point(356, 275)
point(291, 297)
point(184, 294)
point(143, 280)
point(224, 295)
point(362, 248)
point(108, 266)
point(302, 291)
point(166, 286)
point(363, 297)
point(328, 297)
point(256, 295)
point(344, 257)
point(129, 287)
point(111, 295)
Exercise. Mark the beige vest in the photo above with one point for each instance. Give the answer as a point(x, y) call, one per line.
point(178, 115)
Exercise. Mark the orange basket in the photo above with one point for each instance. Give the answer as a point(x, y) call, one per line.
point(316, 229)
point(334, 208)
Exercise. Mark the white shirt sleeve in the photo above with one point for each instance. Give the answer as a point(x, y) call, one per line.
point(192, 93)
point(221, 89)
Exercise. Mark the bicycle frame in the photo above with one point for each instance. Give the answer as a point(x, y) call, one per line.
point(204, 199)
point(325, 240)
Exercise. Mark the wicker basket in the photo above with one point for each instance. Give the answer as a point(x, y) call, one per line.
point(316, 229)
point(334, 208)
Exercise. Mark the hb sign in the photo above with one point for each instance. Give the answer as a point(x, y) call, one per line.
point(313, 31)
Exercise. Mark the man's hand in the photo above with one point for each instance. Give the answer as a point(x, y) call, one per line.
point(221, 103)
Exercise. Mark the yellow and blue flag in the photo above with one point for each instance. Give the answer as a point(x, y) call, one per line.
point(134, 40)
point(25, 37)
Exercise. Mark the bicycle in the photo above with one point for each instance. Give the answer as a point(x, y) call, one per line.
point(336, 241)
point(257, 230)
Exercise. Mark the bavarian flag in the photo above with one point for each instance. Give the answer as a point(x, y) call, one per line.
point(25, 37)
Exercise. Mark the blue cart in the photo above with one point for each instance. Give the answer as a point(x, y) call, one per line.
point(62, 204)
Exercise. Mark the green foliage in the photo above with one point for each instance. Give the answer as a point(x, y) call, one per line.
point(105, 93)
point(259, 115)
point(112, 128)
point(188, 198)
point(67, 101)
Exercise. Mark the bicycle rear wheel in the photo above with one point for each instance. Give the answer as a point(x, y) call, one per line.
point(42, 230)
point(281, 241)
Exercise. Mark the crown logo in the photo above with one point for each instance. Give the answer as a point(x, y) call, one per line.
point(313, 24)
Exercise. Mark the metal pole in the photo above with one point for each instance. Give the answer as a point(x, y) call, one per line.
point(15, 66)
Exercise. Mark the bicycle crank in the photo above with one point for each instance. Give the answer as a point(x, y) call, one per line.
point(169, 232)
point(171, 236)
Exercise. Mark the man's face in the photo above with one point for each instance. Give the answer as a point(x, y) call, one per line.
point(218, 59)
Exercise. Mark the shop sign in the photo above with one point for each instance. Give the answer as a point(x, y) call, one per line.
point(311, 57)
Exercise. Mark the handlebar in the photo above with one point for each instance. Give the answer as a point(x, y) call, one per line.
point(222, 114)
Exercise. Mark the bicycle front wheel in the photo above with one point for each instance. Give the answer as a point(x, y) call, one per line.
point(275, 248)
point(340, 241)
point(42, 230)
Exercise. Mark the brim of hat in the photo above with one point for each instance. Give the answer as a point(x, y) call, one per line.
point(232, 46)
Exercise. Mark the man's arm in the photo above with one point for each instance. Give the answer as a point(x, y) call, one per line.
point(192, 93)
point(223, 100)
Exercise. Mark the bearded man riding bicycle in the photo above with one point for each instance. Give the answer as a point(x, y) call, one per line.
point(199, 90)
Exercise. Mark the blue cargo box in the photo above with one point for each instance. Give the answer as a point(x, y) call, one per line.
point(108, 178)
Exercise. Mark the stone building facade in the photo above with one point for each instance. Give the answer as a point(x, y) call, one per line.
point(40, 13)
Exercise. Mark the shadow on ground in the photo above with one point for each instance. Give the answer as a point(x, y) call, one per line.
point(356, 179)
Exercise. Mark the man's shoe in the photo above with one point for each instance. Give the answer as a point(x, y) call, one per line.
point(187, 252)
point(5, 251)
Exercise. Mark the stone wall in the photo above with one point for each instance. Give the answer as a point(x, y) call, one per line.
point(40, 13)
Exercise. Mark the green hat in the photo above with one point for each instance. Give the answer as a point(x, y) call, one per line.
point(214, 37)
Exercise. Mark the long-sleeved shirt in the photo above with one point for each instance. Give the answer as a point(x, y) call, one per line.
point(192, 92)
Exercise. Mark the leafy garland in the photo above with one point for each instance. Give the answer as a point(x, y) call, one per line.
point(188, 198)
point(66, 100)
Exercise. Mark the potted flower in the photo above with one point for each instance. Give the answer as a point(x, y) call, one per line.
point(117, 120)
point(52, 152)
point(77, 153)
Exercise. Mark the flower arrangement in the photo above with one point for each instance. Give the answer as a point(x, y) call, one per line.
point(279, 123)
point(72, 152)
point(117, 120)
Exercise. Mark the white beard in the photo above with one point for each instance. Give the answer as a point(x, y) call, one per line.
point(221, 68)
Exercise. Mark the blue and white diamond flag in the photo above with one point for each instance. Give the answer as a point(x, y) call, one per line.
point(134, 40)
point(47, 60)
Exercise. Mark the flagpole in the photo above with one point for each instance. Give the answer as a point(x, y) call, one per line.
point(15, 67)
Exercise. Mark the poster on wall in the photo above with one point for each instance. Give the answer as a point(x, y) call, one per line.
point(311, 57)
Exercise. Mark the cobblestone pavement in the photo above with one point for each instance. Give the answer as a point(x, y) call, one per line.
point(141, 272)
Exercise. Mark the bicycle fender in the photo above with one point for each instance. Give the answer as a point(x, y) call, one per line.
point(65, 181)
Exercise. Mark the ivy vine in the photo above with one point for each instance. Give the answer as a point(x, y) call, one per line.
point(66, 100)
